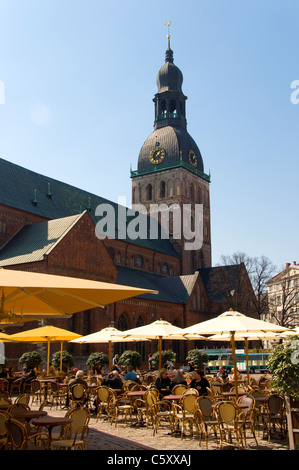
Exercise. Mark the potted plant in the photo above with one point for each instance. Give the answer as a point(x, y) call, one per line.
point(198, 358)
point(166, 356)
point(67, 360)
point(97, 360)
point(130, 358)
point(30, 360)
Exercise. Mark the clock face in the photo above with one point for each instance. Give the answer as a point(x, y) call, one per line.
point(157, 155)
point(192, 158)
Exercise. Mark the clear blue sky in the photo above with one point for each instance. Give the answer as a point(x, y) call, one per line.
point(79, 80)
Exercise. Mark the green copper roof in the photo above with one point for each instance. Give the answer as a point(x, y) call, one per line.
point(46, 197)
point(33, 242)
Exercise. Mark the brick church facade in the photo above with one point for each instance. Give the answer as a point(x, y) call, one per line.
point(51, 227)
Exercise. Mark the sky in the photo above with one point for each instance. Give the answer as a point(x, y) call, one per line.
point(77, 81)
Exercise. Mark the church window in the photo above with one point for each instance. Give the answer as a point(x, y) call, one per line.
point(162, 189)
point(149, 192)
point(172, 106)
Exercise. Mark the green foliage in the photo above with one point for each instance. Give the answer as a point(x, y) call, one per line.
point(31, 359)
point(283, 364)
point(97, 359)
point(130, 358)
point(198, 357)
point(166, 355)
point(67, 360)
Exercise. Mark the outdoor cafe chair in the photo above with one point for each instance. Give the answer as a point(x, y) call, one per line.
point(185, 413)
point(144, 407)
point(207, 418)
point(74, 436)
point(23, 399)
point(119, 407)
point(247, 416)
point(229, 425)
point(179, 389)
point(19, 439)
point(102, 400)
point(78, 395)
point(36, 391)
point(274, 414)
point(4, 416)
point(162, 412)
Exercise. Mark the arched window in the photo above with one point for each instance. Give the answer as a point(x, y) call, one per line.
point(149, 192)
point(122, 325)
point(140, 345)
point(162, 189)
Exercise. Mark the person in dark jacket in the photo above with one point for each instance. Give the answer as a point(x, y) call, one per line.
point(163, 382)
point(199, 382)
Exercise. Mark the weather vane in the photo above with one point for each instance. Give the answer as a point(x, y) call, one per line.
point(168, 23)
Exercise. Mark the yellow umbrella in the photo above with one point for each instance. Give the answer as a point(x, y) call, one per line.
point(42, 295)
point(46, 334)
point(159, 329)
point(106, 335)
point(232, 322)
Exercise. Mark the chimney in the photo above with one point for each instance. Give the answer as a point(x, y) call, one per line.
point(287, 265)
point(294, 263)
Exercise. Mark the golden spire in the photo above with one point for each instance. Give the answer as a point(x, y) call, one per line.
point(168, 23)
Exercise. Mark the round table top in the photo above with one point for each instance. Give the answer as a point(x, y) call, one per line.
point(172, 397)
point(51, 421)
point(28, 414)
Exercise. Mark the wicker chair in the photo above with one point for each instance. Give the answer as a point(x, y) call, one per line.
point(179, 389)
point(229, 425)
point(4, 416)
point(102, 401)
point(76, 435)
point(273, 414)
point(144, 407)
point(185, 413)
point(247, 416)
point(118, 406)
point(78, 395)
point(206, 417)
point(36, 391)
point(19, 439)
point(23, 399)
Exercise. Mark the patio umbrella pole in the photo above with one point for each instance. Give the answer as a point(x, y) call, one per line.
point(48, 358)
point(235, 362)
point(247, 362)
point(110, 356)
point(61, 347)
point(160, 352)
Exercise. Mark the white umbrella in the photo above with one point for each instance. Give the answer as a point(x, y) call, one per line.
point(159, 329)
point(294, 332)
point(106, 335)
point(232, 322)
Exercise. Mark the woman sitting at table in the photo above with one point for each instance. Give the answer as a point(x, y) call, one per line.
point(179, 379)
point(163, 382)
point(199, 382)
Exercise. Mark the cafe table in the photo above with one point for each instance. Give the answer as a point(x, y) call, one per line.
point(50, 422)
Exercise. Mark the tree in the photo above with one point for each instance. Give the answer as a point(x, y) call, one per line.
point(283, 363)
point(30, 360)
point(260, 270)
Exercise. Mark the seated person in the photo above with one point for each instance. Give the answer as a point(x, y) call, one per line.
point(77, 380)
point(114, 381)
point(222, 374)
point(199, 382)
point(27, 376)
point(179, 379)
point(163, 382)
point(131, 375)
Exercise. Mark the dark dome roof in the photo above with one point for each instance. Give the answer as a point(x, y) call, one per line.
point(177, 144)
point(169, 78)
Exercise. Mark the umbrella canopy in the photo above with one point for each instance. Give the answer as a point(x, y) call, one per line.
point(294, 332)
point(232, 322)
point(46, 334)
point(159, 329)
point(106, 335)
point(27, 293)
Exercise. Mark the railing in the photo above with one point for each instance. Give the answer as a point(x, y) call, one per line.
point(169, 166)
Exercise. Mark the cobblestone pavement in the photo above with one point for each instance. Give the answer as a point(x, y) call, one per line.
point(126, 437)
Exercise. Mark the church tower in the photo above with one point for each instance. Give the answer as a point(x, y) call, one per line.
point(170, 167)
